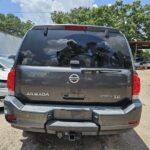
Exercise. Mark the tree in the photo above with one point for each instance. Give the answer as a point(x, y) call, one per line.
point(146, 54)
point(13, 25)
point(132, 19)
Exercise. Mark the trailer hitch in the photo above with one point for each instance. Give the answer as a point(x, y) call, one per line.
point(70, 136)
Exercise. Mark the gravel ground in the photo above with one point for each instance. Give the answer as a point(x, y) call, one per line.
point(137, 139)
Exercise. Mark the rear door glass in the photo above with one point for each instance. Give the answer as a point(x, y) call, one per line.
point(60, 47)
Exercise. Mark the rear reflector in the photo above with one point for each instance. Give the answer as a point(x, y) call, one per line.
point(10, 118)
point(11, 80)
point(75, 28)
point(132, 122)
point(136, 85)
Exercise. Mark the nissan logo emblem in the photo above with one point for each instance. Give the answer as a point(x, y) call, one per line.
point(74, 78)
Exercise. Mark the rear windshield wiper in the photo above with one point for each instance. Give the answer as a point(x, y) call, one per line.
point(45, 31)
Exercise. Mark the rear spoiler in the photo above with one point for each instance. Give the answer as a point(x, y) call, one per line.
point(76, 27)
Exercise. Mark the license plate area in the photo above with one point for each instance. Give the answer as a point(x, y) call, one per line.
point(73, 97)
point(80, 115)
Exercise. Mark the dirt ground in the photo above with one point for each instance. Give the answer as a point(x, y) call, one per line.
point(137, 139)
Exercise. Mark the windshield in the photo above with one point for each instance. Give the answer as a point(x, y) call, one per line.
point(60, 47)
point(5, 62)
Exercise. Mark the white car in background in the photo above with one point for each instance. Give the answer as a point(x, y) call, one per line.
point(147, 63)
point(5, 66)
point(137, 64)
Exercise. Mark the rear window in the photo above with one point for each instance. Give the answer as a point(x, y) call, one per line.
point(61, 47)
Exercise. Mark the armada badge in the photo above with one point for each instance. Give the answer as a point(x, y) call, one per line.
point(37, 94)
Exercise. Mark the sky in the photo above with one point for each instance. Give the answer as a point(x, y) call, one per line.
point(39, 11)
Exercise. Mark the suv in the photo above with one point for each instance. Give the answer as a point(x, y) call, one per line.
point(73, 80)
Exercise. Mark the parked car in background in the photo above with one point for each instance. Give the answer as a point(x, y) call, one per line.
point(137, 62)
point(12, 57)
point(142, 64)
point(146, 64)
point(5, 66)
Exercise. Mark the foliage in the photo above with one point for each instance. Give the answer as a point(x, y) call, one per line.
point(132, 19)
point(146, 54)
point(13, 25)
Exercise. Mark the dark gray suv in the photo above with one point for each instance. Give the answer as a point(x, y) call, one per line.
point(73, 80)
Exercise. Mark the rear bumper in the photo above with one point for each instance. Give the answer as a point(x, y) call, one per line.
point(88, 120)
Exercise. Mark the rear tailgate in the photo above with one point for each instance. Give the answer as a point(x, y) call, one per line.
point(54, 84)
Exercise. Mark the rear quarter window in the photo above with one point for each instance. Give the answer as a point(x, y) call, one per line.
point(60, 47)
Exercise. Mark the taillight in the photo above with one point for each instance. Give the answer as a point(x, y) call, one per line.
point(11, 80)
point(75, 28)
point(136, 85)
point(10, 118)
point(133, 122)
